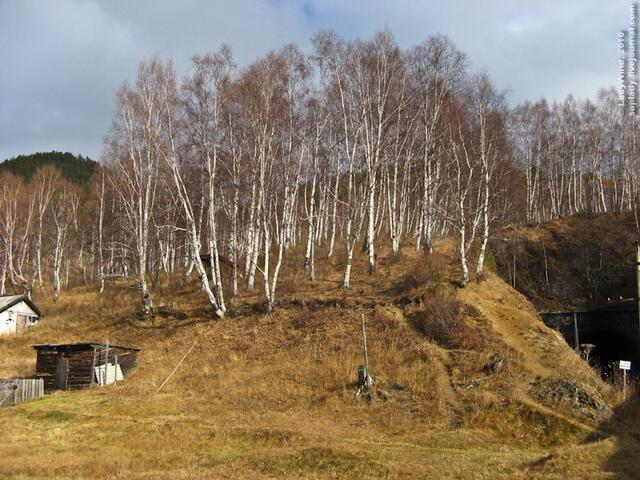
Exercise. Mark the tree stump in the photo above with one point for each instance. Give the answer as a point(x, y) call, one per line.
point(365, 380)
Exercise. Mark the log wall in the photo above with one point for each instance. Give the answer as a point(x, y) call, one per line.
point(81, 363)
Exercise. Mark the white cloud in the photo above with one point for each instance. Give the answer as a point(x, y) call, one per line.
point(63, 60)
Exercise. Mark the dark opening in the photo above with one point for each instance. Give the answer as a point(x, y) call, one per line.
point(610, 348)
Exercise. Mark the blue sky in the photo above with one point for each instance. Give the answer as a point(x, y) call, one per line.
point(63, 60)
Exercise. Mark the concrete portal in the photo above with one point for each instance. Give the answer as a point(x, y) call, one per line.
point(613, 329)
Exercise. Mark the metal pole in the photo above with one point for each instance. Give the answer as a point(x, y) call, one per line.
point(575, 331)
point(364, 339)
point(624, 384)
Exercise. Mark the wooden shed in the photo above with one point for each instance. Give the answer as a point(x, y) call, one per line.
point(79, 365)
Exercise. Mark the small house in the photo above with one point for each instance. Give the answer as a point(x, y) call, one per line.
point(17, 313)
point(79, 365)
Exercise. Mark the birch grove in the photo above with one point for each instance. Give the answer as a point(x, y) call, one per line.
point(295, 161)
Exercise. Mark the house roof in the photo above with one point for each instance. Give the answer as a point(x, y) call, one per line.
point(82, 344)
point(8, 301)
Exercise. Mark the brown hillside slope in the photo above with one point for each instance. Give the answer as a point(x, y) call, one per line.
point(272, 396)
point(543, 354)
point(570, 262)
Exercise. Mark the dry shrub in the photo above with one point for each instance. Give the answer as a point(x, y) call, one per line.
point(423, 273)
point(442, 321)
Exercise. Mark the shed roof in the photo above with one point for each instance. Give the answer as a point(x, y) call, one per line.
point(82, 344)
point(8, 301)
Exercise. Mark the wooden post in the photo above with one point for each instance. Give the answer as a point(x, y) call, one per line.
point(575, 331)
point(106, 361)
point(93, 365)
point(115, 373)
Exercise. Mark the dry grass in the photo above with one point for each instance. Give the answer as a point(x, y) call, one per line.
point(272, 396)
point(445, 321)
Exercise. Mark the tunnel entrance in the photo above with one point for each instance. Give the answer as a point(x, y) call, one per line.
point(609, 348)
point(612, 330)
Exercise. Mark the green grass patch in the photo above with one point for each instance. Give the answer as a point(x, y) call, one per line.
point(322, 460)
point(52, 416)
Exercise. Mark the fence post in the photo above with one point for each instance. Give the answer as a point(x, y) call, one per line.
point(106, 363)
point(115, 373)
point(93, 366)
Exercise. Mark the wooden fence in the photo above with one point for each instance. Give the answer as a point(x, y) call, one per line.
point(20, 390)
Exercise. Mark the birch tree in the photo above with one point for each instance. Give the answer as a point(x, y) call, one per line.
point(376, 66)
point(134, 172)
point(437, 68)
point(335, 55)
point(63, 211)
point(204, 120)
point(45, 181)
point(487, 107)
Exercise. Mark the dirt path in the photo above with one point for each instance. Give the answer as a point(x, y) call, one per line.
point(511, 317)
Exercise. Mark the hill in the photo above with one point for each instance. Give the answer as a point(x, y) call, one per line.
point(469, 384)
point(571, 262)
point(76, 169)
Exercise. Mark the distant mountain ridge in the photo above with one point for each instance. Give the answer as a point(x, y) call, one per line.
point(76, 169)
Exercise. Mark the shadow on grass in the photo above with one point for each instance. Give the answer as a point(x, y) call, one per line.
point(624, 426)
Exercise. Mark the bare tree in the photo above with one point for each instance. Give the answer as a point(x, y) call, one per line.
point(437, 68)
point(44, 181)
point(64, 211)
point(203, 102)
point(488, 110)
point(135, 162)
point(376, 66)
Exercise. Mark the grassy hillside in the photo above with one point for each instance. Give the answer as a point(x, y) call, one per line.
point(76, 169)
point(570, 262)
point(272, 396)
